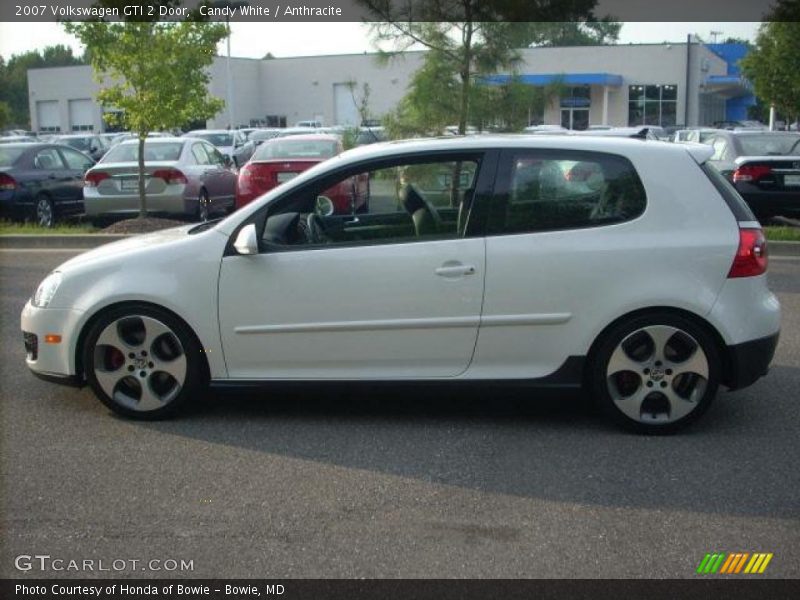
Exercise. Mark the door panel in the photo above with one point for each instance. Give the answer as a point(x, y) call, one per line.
point(377, 311)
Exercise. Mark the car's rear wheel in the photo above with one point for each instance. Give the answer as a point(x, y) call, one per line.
point(203, 206)
point(656, 373)
point(142, 362)
point(45, 212)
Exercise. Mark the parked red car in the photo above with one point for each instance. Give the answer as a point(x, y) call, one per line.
point(280, 159)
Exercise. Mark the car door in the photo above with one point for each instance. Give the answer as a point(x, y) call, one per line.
point(378, 297)
point(222, 175)
point(77, 164)
point(52, 176)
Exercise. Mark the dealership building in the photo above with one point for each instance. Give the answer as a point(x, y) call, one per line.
point(688, 83)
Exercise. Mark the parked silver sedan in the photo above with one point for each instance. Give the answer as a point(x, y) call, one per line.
point(185, 176)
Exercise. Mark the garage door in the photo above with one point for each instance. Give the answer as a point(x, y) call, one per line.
point(345, 111)
point(80, 115)
point(47, 115)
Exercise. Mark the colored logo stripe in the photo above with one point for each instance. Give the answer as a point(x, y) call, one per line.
point(724, 563)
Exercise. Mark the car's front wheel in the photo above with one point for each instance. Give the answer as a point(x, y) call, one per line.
point(656, 373)
point(45, 211)
point(142, 362)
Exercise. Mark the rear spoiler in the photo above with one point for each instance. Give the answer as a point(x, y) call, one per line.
point(699, 152)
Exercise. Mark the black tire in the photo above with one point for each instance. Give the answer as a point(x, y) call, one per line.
point(43, 211)
point(661, 411)
point(203, 206)
point(161, 393)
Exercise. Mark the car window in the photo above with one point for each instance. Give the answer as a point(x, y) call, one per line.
point(403, 202)
point(769, 144)
point(546, 190)
point(76, 160)
point(47, 160)
point(215, 157)
point(199, 154)
point(218, 139)
point(10, 154)
point(294, 148)
point(720, 149)
point(156, 151)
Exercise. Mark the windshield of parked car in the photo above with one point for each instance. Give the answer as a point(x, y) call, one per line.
point(81, 143)
point(10, 154)
point(769, 145)
point(293, 148)
point(156, 151)
point(218, 139)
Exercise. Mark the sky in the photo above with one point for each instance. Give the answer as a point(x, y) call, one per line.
point(254, 40)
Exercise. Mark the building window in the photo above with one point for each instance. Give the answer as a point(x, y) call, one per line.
point(652, 105)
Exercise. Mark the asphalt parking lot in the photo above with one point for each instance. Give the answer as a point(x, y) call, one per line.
point(372, 482)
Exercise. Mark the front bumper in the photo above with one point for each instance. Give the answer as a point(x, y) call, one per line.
point(749, 361)
point(51, 361)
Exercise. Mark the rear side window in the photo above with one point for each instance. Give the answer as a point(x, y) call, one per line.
point(732, 198)
point(545, 190)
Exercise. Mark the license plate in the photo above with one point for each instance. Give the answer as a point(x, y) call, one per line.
point(129, 184)
point(791, 180)
point(286, 176)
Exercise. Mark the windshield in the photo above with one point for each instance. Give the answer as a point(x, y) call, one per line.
point(218, 139)
point(9, 155)
point(156, 151)
point(289, 148)
point(769, 145)
point(81, 143)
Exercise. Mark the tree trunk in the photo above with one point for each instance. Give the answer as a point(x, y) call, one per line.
point(142, 180)
point(466, 65)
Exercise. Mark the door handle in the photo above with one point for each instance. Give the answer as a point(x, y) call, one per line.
point(455, 270)
point(355, 221)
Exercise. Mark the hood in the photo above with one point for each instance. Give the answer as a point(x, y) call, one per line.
point(135, 244)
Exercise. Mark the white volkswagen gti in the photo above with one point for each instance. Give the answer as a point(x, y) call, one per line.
point(628, 267)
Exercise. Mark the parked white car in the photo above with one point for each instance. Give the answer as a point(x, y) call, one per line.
point(628, 267)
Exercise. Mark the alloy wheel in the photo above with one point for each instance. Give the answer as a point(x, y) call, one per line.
point(44, 212)
point(140, 363)
point(657, 374)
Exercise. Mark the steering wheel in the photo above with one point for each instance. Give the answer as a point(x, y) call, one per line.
point(315, 230)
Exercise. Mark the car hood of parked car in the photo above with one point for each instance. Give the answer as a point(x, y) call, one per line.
point(130, 246)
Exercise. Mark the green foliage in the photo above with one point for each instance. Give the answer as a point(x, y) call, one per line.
point(155, 74)
point(467, 39)
point(5, 115)
point(14, 78)
point(774, 64)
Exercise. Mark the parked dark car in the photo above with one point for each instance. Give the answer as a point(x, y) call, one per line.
point(764, 166)
point(41, 181)
point(88, 143)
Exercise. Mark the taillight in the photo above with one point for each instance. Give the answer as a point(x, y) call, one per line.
point(93, 178)
point(7, 183)
point(170, 176)
point(254, 179)
point(751, 256)
point(751, 173)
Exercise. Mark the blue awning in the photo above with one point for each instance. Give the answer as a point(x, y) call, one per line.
point(543, 79)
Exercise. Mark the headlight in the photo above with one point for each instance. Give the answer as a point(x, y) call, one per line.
point(46, 290)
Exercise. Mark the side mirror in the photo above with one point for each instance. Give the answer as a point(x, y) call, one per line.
point(227, 161)
point(247, 241)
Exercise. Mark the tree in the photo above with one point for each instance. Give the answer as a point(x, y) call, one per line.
point(773, 66)
point(465, 39)
point(570, 33)
point(14, 78)
point(154, 74)
point(5, 114)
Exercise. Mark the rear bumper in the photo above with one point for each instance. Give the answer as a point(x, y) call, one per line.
point(750, 360)
point(171, 201)
point(770, 202)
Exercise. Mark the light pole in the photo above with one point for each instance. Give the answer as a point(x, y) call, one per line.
point(231, 6)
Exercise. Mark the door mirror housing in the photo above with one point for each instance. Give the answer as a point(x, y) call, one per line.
point(227, 161)
point(247, 240)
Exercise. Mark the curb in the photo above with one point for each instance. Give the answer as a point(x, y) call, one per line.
point(93, 240)
point(31, 240)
